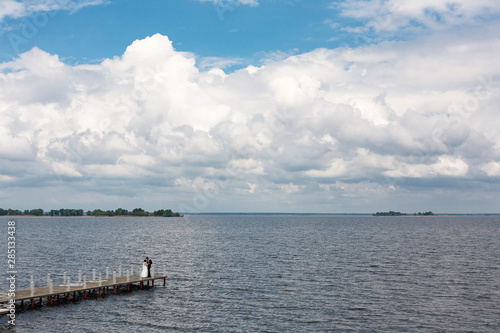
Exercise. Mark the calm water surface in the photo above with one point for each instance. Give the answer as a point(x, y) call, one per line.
point(270, 273)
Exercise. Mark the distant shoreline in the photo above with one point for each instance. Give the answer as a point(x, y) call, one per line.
point(84, 216)
point(136, 212)
point(341, 214)
point(276, 214)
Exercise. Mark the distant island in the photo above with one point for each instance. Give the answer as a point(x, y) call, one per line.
point(96, 212)
point(393, 213)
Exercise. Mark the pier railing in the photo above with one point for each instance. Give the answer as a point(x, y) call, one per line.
point(80, 286)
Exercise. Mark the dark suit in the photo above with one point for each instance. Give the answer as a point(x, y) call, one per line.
point(149, 262)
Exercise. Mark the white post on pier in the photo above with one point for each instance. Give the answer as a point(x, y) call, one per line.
point(84, 281)
point(131, 269)
point(164, 270)
point(48, 278)
point(32, 285)
point(100, 279)
point(79, 276)
point(64, 278)
point(152, 271)
point(120, 270)
point(114, 277)
point(69, 282)
point(93, 274)
point(107, 272)
point(51, 286)
point(128, 275)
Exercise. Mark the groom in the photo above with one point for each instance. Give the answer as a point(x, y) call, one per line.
point(149, 262)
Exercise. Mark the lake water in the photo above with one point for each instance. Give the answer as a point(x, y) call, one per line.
point(265, 273)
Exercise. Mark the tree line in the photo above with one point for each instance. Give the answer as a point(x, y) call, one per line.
point(96, 212)
point(36, 212)
point(134, 212)
point(393, 213)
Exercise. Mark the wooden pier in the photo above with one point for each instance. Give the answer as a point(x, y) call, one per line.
point(78, 289)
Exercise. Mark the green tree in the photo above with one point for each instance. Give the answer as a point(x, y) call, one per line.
point(98, 212)
point(165, 213)
point(14, 212)
point(36, 212)
point(139, 212)
point(121, 211)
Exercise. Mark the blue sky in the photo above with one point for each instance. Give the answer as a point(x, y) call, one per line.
point(250, 105)
point(221, 29)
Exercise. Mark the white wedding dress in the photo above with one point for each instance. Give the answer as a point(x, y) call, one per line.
point(144, 272)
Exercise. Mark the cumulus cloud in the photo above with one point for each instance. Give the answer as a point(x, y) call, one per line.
point(323, 126)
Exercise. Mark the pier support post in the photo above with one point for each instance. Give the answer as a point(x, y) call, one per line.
point(140, 285)
point(100, 293)
point(128, 287)
point(68, 296)
point(153, 283)
point(50, 302)
point(32, 303)
point(114, 289)
point(164, 282)
point(85, 294)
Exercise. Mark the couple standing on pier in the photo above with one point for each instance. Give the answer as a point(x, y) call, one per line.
point(146, 267)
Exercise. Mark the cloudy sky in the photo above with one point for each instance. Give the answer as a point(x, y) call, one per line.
point(250, 105)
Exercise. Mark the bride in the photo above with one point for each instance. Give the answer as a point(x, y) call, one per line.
point(144, 272)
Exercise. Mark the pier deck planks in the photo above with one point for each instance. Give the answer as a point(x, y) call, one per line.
point(25, 294)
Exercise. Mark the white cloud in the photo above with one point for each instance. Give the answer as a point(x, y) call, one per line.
point(229, 3)
point(290, 188)
point(250, 185)
point(291, 91)
point(445, 166)
point(248, 166)
point(492, 169)
point(392, 15)
point(276, 56)
point(65, 169)
point(11, 8)
point(17, 9)
point(207, 63)
point(350, 123)
point(5, 179)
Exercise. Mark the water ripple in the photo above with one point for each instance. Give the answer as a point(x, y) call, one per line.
point(272, 273)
